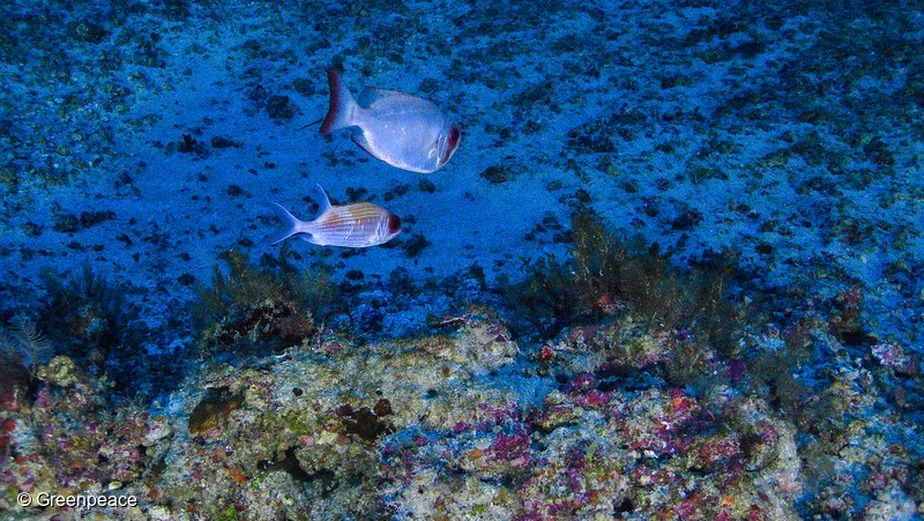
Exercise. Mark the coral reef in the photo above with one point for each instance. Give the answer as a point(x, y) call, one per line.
point(66, 439)
point(460, 425)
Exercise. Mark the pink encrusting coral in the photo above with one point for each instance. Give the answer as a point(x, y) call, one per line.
point(67, 440)
point(894, 357)
point(658, 452)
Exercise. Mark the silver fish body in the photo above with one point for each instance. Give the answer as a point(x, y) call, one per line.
point(400, 129)
point(355, 225)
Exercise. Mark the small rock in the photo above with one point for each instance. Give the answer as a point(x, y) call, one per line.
point(86, 31)
point(495, 174)
point(225, 142)
point(279, 108)
point(415, 244)
point(213, 410)
point(427, 186)
point(364, 423)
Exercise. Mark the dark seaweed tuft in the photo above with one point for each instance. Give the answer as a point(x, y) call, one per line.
point(607, 271)
point(90, 318)
point(250, 309)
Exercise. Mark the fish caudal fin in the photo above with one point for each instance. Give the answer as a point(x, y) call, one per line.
point(291, 225)
point(342, 104)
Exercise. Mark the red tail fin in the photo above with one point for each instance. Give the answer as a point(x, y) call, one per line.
point(341, 103)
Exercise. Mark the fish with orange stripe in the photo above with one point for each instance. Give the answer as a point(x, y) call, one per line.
point(354, 225)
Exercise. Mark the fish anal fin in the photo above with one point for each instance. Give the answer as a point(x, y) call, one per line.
point(360, 139)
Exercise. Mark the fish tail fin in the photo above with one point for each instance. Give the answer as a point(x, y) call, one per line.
point(291, 225)
point(342, 104)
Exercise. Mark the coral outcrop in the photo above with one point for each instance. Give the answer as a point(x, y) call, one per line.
point(465, 424)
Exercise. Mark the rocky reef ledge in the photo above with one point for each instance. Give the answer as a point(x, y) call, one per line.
point(465, 424)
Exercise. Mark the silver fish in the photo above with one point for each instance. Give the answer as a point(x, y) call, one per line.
point(355, 225)
point(400, 129)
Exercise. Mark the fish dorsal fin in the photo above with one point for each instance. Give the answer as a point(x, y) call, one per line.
point(370, 95)
point(320, 197)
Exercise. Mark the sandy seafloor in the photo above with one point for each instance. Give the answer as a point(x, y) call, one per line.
point(787, 135)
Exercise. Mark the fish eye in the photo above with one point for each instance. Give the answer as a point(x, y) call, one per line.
point(394, 223)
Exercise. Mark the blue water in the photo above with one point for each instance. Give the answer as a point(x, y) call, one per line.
point(767, 130)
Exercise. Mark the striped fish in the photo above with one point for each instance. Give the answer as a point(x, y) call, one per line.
point(355, 225)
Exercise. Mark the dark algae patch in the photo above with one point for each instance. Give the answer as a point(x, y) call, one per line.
point(213, 410)
point(250, 307)
point(606, 273)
